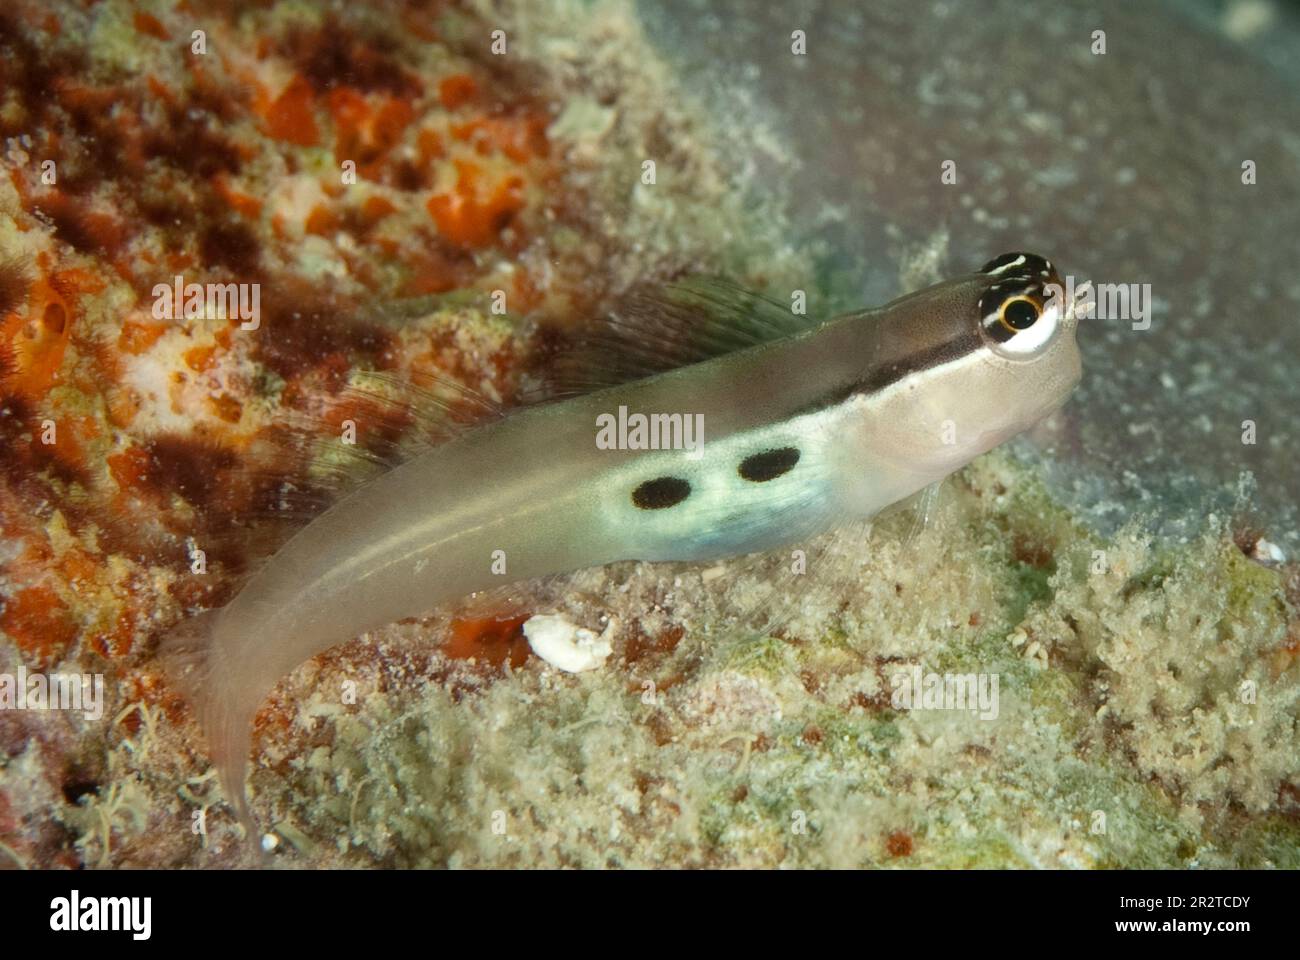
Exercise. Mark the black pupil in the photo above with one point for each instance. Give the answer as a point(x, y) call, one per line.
point(1020, 314)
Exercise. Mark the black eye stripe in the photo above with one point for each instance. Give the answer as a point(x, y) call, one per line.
point(994, 328)
point(768, 465)
point(661, 493)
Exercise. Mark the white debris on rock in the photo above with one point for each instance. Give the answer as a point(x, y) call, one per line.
point(1267, 552)
point(567, 646)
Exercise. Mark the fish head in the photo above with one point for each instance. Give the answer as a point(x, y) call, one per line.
point(971, 362)
point(1029, 361)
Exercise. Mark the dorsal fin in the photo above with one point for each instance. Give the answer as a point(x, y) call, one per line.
point(660, 327)
point(379, 420)
point(305, 463)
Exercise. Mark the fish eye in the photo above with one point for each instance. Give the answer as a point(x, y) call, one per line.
point(1018, 313)
point(1018, 318)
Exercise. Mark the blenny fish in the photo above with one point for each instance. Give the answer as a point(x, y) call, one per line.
point(806, 426)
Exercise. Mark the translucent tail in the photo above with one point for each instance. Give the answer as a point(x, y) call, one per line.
point(193, 659)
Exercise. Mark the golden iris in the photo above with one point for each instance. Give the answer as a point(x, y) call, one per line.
point(1019, 313)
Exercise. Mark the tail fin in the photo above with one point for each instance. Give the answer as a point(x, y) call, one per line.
point(193, 660)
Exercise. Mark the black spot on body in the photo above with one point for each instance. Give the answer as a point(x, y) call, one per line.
point(660, 493)
point(768, 465)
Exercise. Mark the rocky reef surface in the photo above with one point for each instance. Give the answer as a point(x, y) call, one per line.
point(387, 179)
